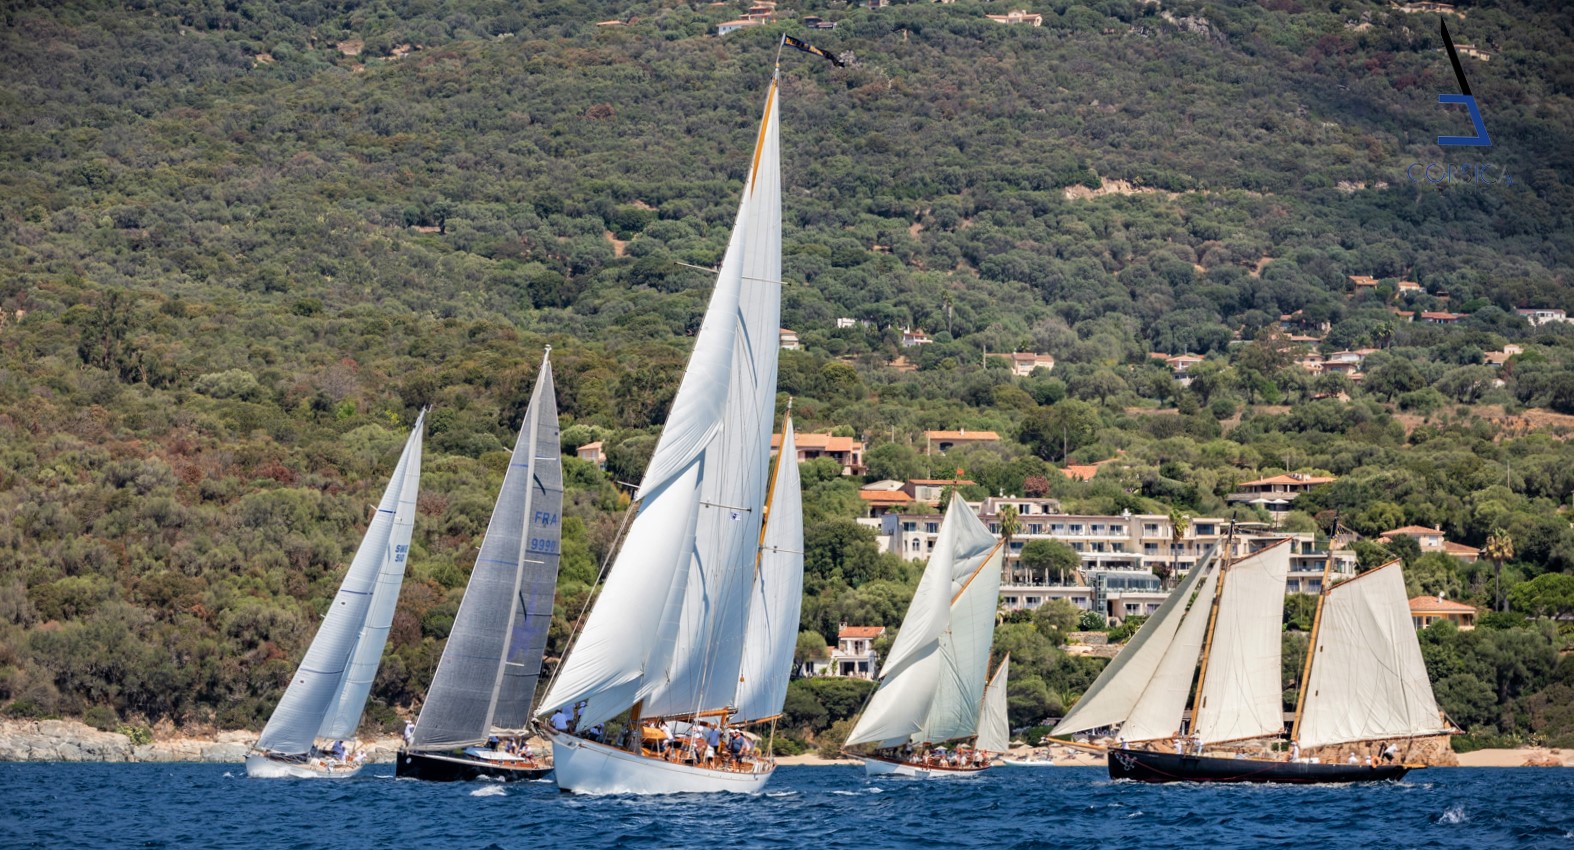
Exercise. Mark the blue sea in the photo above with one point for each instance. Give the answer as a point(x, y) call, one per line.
point(216, 806)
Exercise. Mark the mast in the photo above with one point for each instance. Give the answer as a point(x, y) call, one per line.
point(1207, 646)
point(1311, 644)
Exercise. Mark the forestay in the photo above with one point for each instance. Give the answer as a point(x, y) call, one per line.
point(489, 668)
point(1368, 680)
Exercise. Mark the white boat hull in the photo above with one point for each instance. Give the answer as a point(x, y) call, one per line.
point(262, 767)
point(1027, 762)
point(586, 767)
point(881, 767)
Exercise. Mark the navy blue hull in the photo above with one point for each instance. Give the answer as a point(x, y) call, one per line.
point(1145, 766)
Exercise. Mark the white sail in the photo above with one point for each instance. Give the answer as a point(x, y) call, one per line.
point(1368, 681)
point(668, 629)
point(314, 690)
point(1242, 695)
point(487, 674)
point(368, 655)
point(964, 654)
point(776, 598)
point(994, 729)
point(1111, 697)
point(915, 666)
point(1157, 712)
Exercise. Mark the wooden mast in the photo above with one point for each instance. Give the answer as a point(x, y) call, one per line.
point(1213, 620)
point(1311, 644)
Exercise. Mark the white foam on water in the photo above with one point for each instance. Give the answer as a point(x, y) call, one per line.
point(489, 791)
point(1454, 814)
point(228, 775)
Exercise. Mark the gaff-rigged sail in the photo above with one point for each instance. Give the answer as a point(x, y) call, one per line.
point(1368, 680)
point(327, 694)
point(487, 674)
point(1241, 693)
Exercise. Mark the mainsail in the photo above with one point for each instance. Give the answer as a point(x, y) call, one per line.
point(671, 625)
point(1241, 695)
point(1368, 681)
point(933, 682)
point(1157, 712)
point(327, 694)
point(487, 675)
point(994, 729)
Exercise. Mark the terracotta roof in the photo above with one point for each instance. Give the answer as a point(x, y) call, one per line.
point(962, 435)
point(927, 481)
point(1412, 529)
point(1434, 605)
point(883, 497)
point(821, 442)
point(596, 446)
point(860, 632)
point(1460, 550)
point(1288, 479)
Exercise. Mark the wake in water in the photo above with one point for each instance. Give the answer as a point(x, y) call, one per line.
point(1454, 814)
point(489, 791)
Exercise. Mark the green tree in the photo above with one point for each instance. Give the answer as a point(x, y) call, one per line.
point(1042, 557)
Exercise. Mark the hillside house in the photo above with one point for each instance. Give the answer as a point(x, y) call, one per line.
point(1426, 610)
point(944, 441)
point(846, 451)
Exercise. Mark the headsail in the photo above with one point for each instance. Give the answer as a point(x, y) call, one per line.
point(487, 674)
point(1241, 693)
point(776, 598)
point(1158, 710)
point(693, 541)
point(360, 611)
point(1368, 679)
point(1113, 695)
point(994, 730)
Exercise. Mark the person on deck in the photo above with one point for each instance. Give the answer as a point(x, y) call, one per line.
point(338, 750)
point(1352, 759)
point(1295, 750)
point(560, 720)
point(1390, 752)
point(409, 733)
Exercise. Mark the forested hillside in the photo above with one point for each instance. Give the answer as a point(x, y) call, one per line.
point(244, 242)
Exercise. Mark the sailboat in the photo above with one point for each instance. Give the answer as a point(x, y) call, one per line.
point(1365, 681)
point(932, 690)
point(695, 626)
point(327, 694)
point(486, 678)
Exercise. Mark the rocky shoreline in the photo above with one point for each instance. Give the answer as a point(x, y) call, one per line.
point(71, 740)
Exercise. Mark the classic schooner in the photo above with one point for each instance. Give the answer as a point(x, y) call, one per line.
point(327, 694)
point(932, 690)
point(693, 633)
point(1365, 681)
point(481, 693)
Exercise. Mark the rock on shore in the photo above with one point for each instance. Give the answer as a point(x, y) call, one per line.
point(71, 740)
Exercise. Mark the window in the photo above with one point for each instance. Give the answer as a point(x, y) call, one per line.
point(1150, 528)
point(1076, 528)
point(931, 528)
point(1117, 529)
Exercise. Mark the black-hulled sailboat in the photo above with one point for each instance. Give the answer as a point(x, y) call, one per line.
point(475, 721)
point(1365, 682)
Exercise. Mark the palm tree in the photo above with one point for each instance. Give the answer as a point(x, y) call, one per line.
point(1179, 523)
point(1009, 526)
point(1499, 548)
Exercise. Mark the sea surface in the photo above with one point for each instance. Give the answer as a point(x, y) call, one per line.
point(217, 806)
